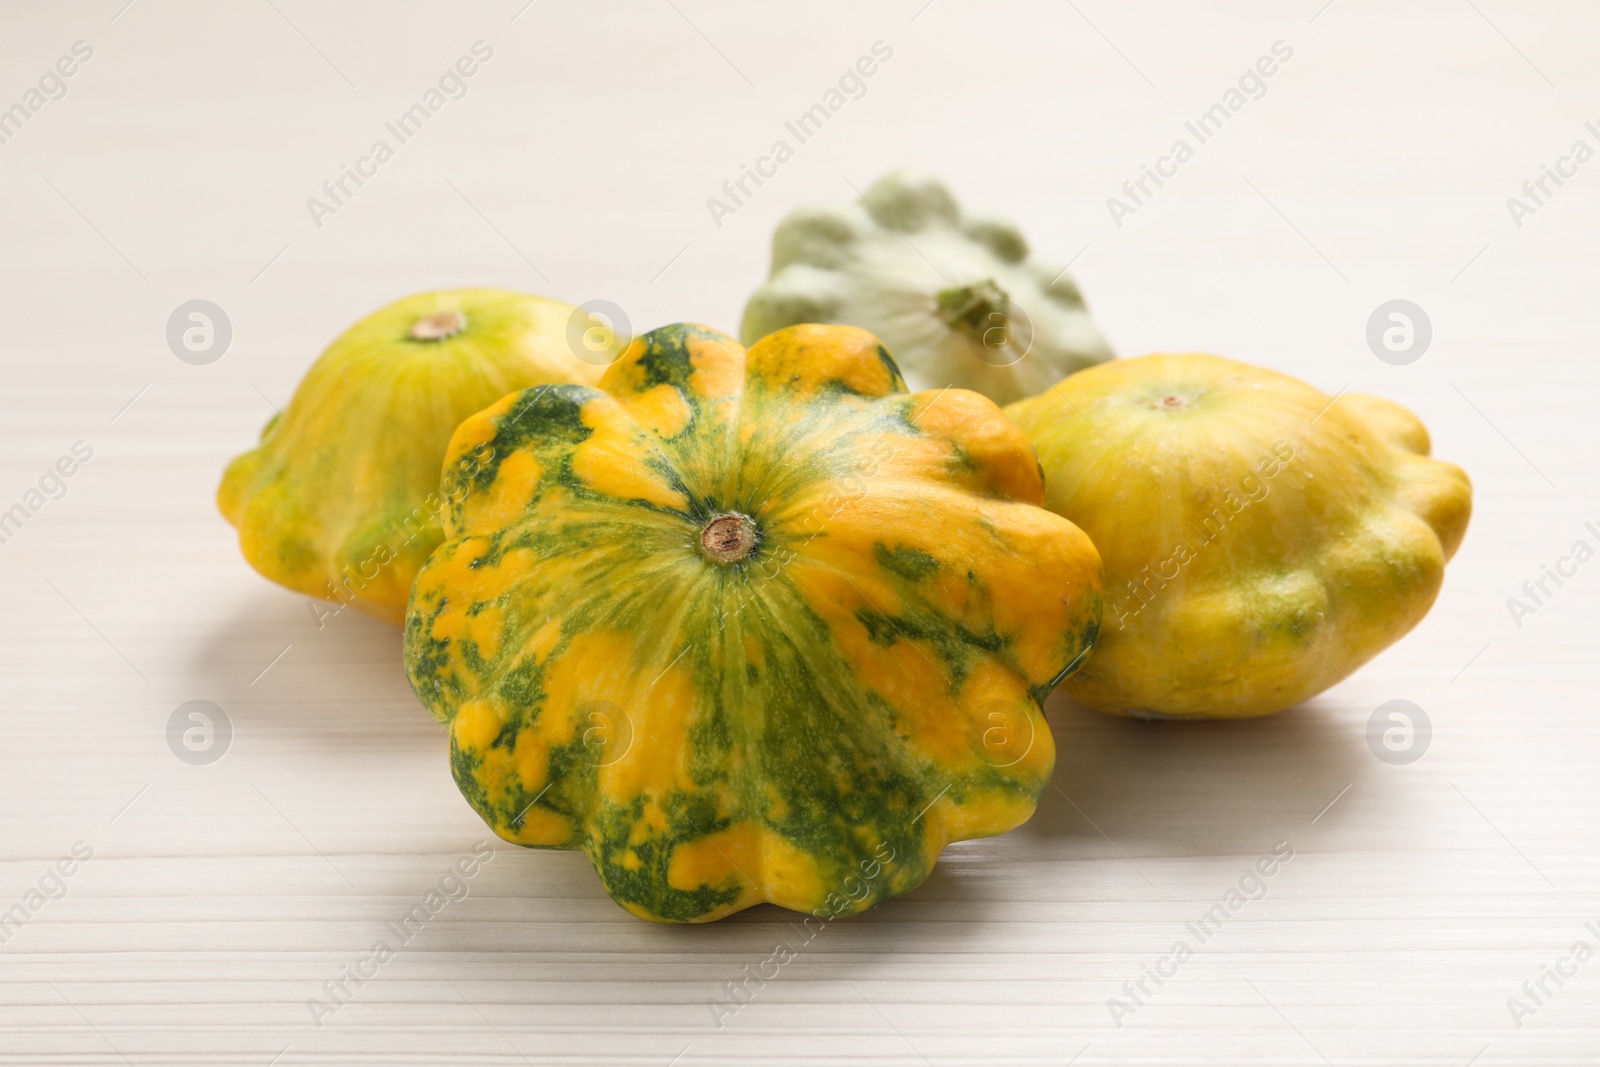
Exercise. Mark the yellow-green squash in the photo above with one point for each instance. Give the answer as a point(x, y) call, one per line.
point(1261, 539)
point(341, 498)
point(750, 627)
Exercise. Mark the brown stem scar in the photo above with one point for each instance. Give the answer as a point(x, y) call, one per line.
point(728, 538)
point(438, 326)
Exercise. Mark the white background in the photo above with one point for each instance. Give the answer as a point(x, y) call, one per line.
point(218, 901)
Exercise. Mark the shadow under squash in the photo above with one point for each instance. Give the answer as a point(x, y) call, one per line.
point(279, 676)
point(1195, 788)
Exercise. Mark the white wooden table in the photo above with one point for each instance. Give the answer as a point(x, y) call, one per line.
point(220, 899)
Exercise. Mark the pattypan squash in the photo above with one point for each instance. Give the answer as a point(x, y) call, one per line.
point(1261, 539)
point(340, 499)
point(958, 300)
point(749, 626)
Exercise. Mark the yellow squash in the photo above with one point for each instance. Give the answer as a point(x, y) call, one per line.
point(341, 498)
point(750, 627)
point(1261, 539)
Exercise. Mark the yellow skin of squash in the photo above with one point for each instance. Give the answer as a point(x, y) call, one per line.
point(1261, 539)
point(809, 723)
point(341, 498)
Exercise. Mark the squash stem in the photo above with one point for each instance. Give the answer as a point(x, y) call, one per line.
point(976, 309)
point(728, 538)
point(438, 326)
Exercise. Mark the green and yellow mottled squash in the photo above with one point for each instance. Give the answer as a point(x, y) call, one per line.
point(341, 498)
point(750, 627)
point(1261, 539)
